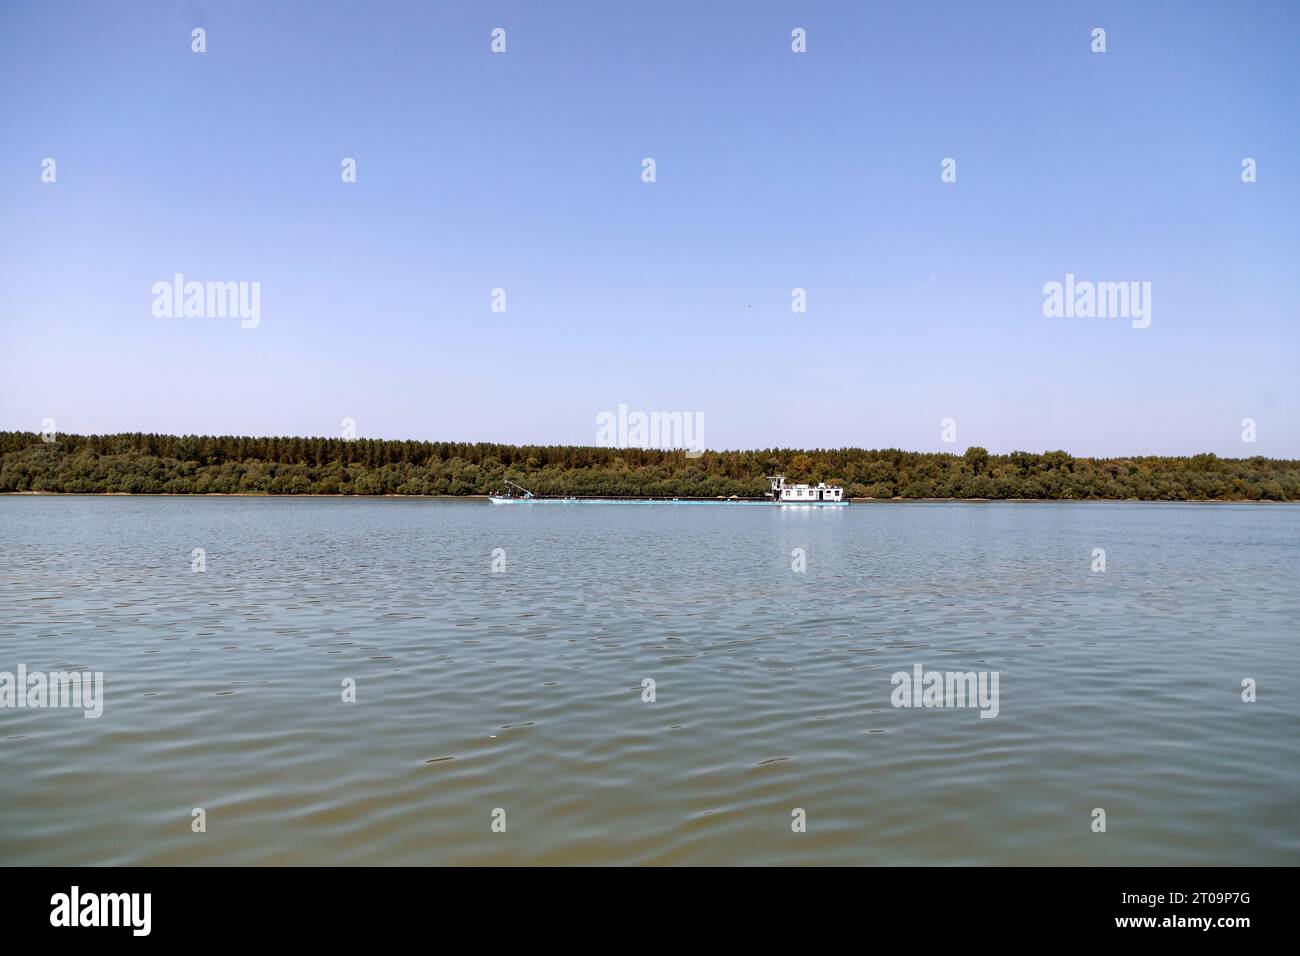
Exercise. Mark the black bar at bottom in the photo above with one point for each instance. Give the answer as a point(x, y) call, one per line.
point(333, 906)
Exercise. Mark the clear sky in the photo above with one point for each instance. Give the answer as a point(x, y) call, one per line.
point(775, 170)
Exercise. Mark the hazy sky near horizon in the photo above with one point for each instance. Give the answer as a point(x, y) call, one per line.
point(775, 170)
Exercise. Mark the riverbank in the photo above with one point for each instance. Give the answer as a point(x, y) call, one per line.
point(860, 501)
point(229, 465)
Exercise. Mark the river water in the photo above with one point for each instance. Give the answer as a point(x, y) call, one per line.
point(500, 656)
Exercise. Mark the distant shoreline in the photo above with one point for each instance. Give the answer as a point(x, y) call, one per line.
point(864, 501)
point(247, 466)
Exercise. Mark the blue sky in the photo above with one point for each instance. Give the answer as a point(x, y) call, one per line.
point(775, 170)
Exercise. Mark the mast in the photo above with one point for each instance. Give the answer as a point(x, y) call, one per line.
point(527, 493)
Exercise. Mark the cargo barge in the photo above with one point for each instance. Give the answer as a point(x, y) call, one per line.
point(819, 495)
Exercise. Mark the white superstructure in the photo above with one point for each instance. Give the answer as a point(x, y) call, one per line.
point(819, 494)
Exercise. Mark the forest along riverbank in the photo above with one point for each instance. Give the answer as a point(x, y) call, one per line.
point(164, 464)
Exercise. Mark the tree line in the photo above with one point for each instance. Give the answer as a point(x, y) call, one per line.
point(205, 464)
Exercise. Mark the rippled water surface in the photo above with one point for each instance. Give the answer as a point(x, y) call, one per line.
point(522, 690)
